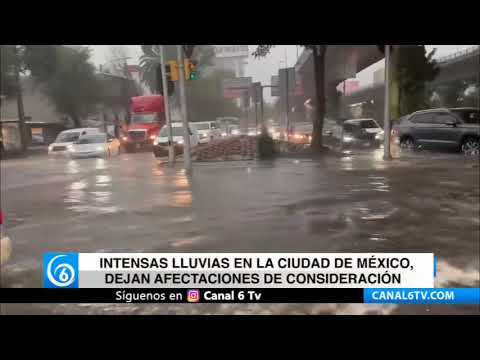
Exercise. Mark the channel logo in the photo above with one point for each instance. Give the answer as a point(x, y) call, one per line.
point(60, 270)
point(193, 296)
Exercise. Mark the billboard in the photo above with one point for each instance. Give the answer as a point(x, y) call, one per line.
point(226, 51)
point(237, 87)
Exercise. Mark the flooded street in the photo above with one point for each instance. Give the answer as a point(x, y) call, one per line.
point(421, 202)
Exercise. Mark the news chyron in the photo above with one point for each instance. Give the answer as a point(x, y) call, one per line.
point(386, 278)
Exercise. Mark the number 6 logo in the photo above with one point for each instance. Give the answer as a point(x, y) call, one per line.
point(63, 274)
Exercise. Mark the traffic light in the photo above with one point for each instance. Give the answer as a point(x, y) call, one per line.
point(190, 69)
point(172, 70)
point(170, 84)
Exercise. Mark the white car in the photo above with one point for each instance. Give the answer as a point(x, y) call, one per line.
point(94, 145)
point(233, 130)
point(160, 144)
point(68, 137)
point(207, 131)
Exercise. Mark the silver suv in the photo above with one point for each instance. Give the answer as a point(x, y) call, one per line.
point(457, 128)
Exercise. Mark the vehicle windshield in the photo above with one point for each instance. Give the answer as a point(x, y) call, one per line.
point(351, 127)
point(67, 137)
point(469, 116)
point(203, 126)
point(176, 131)
point(144, 118)
point(368, 124)
point(303, 128)
point(91, 139)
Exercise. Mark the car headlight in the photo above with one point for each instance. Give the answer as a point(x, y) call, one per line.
point(99, 148)
point(50, 147)
point(379, 136)
point(124, 138)
point(156, 140)
point(152, 137)
point(70, 148)
point(235, 132)
point(180, 141)
point(347, 138)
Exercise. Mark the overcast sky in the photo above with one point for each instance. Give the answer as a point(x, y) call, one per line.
point(262, 69)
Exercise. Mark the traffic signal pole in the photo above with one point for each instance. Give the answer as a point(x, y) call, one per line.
point(171, 149)
point(183, 104)
point(386, 121)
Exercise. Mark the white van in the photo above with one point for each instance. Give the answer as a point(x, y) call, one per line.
point(67, 138)
point(207, 130)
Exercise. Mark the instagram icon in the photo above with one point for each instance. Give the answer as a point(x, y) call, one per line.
point(193, 295)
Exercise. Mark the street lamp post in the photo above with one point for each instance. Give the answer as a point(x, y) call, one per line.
point(171, 149)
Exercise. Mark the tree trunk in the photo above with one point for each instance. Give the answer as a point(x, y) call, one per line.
point(319, 52)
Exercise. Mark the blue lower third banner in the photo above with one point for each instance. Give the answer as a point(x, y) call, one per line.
point(422, 296)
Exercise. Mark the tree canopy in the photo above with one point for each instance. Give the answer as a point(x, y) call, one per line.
point(205, 97)
point(414, 70)
point(67, 78)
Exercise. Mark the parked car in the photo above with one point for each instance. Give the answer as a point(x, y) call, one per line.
point(207, 131)
point(455, 128)
point(5, 243)
point(94, 145)
point(301, 133)
point(68, 137)
point(251, 131)
point(233, 130)
point(160, 144)
point(37, 139)
point(360, 132)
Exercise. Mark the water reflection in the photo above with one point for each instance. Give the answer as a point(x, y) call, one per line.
point(83, 201)
point(181, 198)
point(72, 167)
point(100, 164)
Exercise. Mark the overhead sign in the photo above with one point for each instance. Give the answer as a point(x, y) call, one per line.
point(236, 88)
point(274, 82)
point(223, 51)
point(286, 80)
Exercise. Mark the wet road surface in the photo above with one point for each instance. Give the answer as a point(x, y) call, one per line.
point(421, 202)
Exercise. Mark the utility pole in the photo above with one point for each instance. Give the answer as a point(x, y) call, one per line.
point(171, 149)
point(286, 104)
point(20, 108)
point(261, 106)
point(183, 103)
point(256, 115)
point(386, 116)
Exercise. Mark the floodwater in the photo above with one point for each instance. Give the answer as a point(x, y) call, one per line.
point(356, 202)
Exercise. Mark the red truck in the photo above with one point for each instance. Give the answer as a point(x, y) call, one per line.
point(148, 118)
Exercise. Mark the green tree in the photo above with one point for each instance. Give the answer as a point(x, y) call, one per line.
point(7, 70)
point(68, 79)
point(319, 54)
point(414, 69)
point(205, 97)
